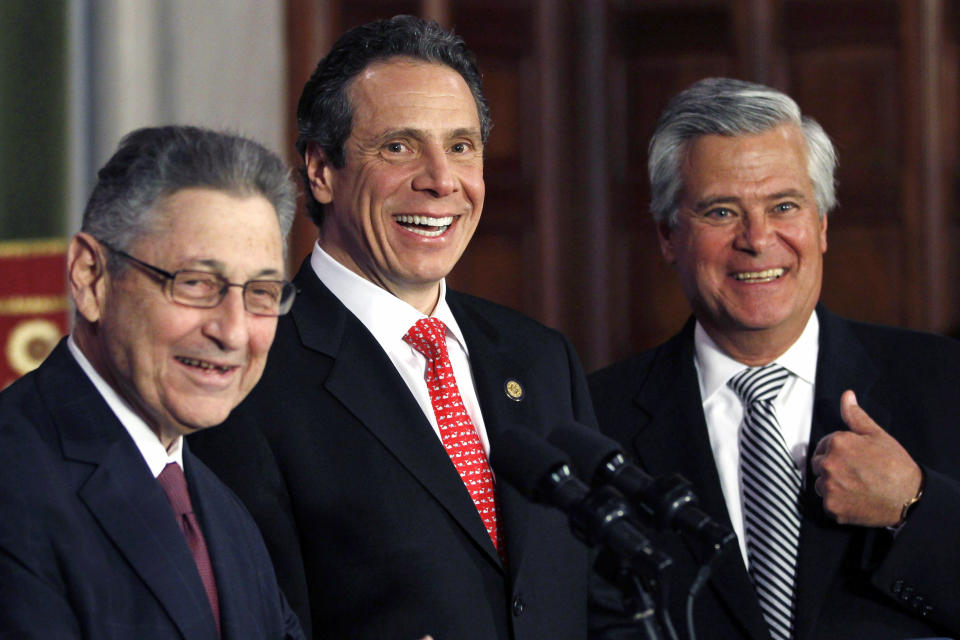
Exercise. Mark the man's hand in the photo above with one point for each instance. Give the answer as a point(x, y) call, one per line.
point(863, 475)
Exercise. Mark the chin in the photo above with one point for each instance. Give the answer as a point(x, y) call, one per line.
point(198, 420)
point(755, 323)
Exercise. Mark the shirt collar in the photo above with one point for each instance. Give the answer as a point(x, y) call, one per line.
point(385, 315)
point(146, 440)
point(715, 368)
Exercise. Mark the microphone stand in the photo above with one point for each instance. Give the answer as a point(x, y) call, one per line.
point(601, 518)
point(639, 605)
point(628, 560)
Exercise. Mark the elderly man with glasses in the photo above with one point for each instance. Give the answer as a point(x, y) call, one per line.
point(110, 527)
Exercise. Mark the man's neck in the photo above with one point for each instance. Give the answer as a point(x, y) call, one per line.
point(122, 401)
point(421, 296)
point(755, 348)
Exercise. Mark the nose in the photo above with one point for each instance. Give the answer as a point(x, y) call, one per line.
point(436, 174)
point(754, 233)
point(227, 323)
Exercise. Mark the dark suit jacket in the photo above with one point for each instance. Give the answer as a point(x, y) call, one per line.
point(89, 546)
point(853, 582)
point(365, 515)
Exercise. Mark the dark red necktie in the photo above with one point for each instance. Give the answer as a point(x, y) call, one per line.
point(174, 484)
point(460, 439)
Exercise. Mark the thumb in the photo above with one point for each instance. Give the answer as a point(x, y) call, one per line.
point(854, 416)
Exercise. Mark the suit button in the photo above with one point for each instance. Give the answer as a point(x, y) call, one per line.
point(518, 606)
point(916, 603)
point(906, 594)
point(897, 586)
point(927, 610)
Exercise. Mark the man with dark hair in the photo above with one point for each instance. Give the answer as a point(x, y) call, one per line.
point(829, 446)
point(110, 527)
point(363, 453)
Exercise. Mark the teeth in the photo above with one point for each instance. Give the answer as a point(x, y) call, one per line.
point(438, 225)
point(202, 364)
point(759, 276)
point(427, 221)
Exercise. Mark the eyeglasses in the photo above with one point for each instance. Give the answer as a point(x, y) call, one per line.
point(205, 289)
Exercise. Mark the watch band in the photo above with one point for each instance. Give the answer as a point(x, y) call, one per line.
point(912, 501)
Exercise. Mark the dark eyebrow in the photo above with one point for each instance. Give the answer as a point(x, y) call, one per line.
point(465, 132)
point(420, 134)
point(407, 132)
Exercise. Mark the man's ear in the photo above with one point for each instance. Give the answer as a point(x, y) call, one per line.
point(87, 275)
point(823, 233)
point(319, 173)
point(665, 235)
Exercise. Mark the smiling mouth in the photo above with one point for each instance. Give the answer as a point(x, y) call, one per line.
point(425, 226)
point(767, 275)
point(206, 366)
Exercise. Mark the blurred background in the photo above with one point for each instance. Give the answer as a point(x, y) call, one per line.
point(575, 87)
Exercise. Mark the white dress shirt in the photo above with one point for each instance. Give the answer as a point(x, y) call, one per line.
point(146, 440)
point(389, 318)
point(724, 410)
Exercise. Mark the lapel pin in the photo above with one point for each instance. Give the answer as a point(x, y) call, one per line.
point(513, 390)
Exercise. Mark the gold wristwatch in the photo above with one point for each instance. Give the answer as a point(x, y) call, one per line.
point(908, 505)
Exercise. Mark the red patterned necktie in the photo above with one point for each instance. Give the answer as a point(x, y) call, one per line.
point(174, 484)
point(460, 439)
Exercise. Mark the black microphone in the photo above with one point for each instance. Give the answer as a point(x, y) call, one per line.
point(666, 503)
point(541, 472)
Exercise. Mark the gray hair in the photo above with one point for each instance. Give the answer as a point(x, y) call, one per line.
point(727, 107)
point(153, 163)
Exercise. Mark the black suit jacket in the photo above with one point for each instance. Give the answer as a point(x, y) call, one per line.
point(853, 582)
point(370, 527)
point(89, 546)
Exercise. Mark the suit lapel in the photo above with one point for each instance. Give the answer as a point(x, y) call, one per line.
point(361, 376)
point(226, 535)
point(672, 438)
point(669, 417)
point(842, 364)
point(124, 498)
point(492, 365)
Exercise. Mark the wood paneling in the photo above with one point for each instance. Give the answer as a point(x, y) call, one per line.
point(864, 70)
point(656, 50)
point(501, 262)
point(576, 86)
point(844, 69)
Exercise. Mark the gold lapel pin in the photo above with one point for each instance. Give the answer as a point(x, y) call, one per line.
point(514, 390)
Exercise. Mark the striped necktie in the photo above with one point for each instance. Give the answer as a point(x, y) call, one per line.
point(771, 489)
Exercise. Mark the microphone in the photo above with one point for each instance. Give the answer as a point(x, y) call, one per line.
point(666, 503)
point(541, 472)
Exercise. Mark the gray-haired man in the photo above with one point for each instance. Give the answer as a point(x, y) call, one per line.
point(110, 527)
point(814, 437)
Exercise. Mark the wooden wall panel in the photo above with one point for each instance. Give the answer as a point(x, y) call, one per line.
point(844, 68)
point(352, 13)
point(862, 116)
point(865, 273)
point(575, 88)
point(656, 51)
point(493, 267)
point(950, 134)
point(499, 264)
